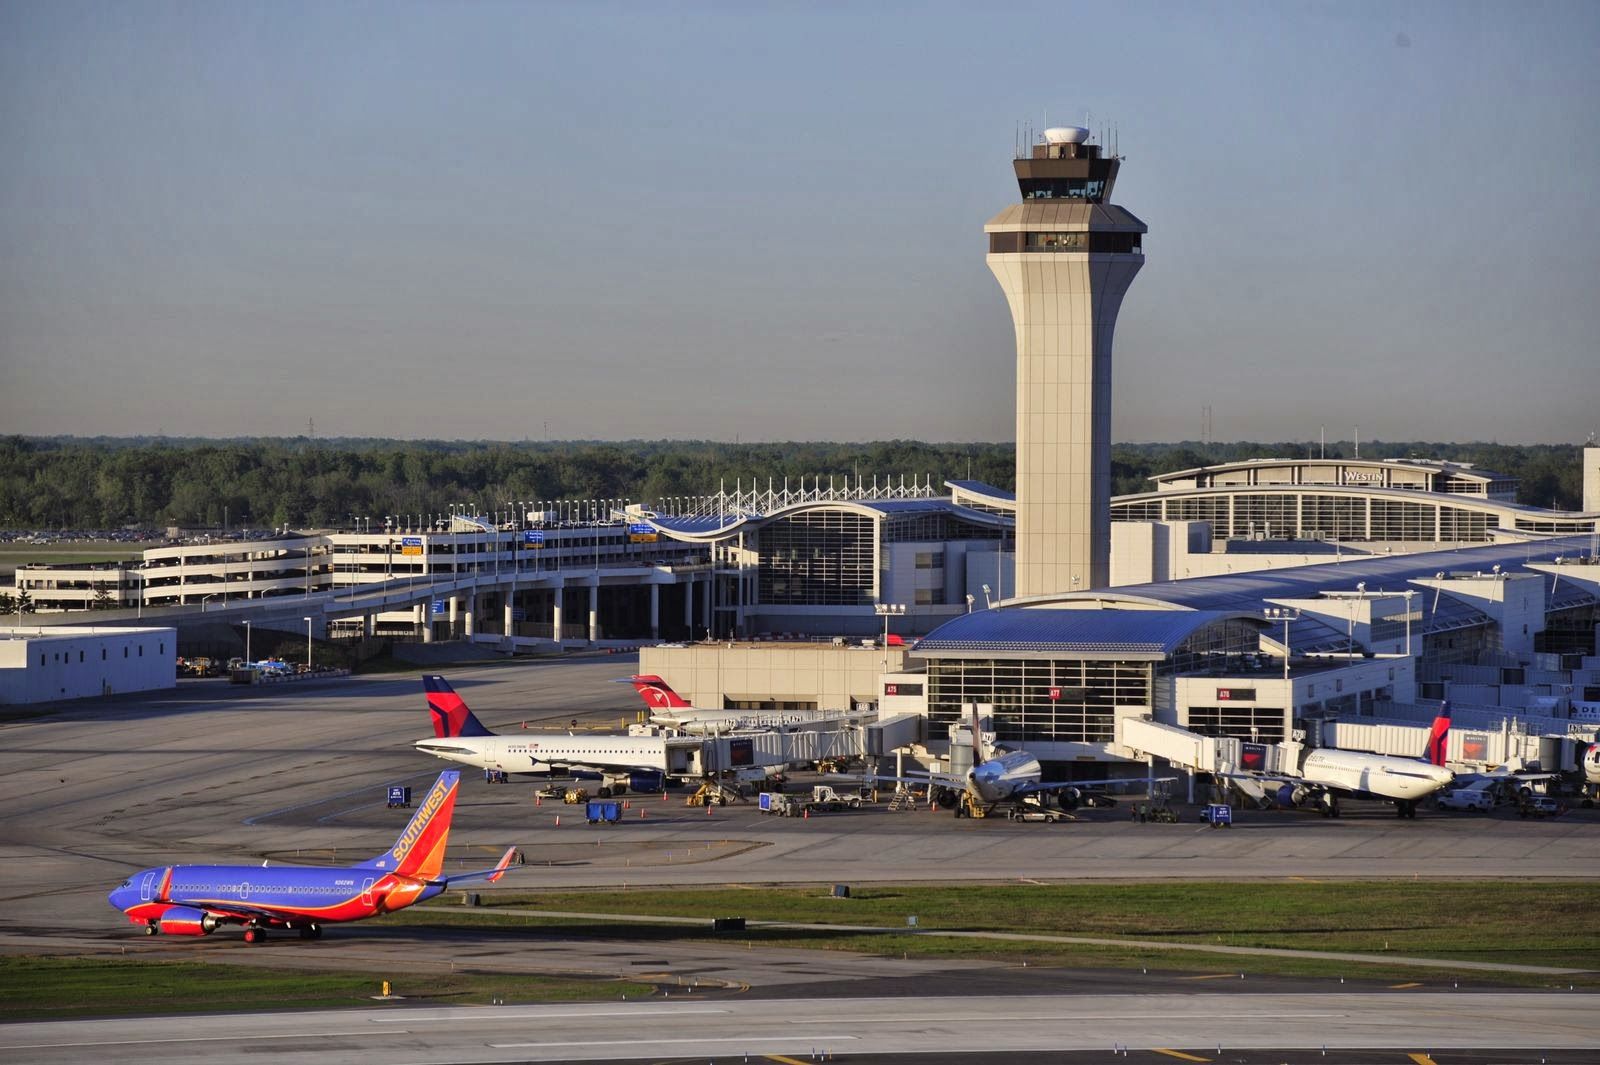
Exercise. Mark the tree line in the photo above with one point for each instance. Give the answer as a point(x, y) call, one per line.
point(111, 483)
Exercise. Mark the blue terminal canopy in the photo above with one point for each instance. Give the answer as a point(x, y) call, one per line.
point(713, 527)
point(1122, 634)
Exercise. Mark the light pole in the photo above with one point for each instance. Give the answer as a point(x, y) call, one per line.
point(1286, 615)
point(204, 598)
point(1408, 594)
point(308, 643)
point(887, 611)
point(969, 603)
point(247, 658)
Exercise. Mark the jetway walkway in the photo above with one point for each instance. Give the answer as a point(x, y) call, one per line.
point(1216, 755)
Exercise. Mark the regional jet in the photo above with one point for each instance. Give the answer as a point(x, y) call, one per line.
point(196, 900)
point(671, 710)
point(622, 763)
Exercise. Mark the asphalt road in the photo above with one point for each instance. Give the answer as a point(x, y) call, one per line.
point(217, 773)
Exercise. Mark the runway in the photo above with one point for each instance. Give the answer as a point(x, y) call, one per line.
point(1202, 1027)
point(213, 772)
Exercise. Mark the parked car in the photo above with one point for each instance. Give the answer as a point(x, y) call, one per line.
point(1542, 806)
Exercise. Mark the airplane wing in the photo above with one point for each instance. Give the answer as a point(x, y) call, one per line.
point(491, 875)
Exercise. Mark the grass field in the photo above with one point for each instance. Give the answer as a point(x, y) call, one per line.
point(1503, 921)
point(1506, 921)
point(35, 988)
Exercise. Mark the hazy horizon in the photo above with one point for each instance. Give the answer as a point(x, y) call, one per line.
point(611, 221)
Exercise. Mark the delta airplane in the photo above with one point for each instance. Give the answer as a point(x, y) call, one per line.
point(196, 900)
point(1327, 774)
point(640, 763)
point(1001, 776)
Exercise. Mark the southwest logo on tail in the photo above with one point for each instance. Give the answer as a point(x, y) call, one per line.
point(1439, 736)
point(450, 714)
point(656, 693)
point(196, 900)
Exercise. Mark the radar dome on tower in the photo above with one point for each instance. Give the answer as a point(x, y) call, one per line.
point(1066, 135)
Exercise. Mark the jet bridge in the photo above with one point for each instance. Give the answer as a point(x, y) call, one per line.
point(1219, 755)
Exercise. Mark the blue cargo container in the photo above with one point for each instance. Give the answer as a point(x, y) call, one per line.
point(609, 812)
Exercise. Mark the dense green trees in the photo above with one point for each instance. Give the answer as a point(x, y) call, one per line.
point(103, 484)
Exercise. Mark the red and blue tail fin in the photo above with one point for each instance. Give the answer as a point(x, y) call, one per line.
point(1439, 735)
point(450, 714)
point(419, 852)
point(656, 693)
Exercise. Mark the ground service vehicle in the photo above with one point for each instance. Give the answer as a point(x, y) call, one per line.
point(1022, 813)
point(574, 796)
point(824, 796)
point(771, 802)
point(1217, 815)
point(1465, 799)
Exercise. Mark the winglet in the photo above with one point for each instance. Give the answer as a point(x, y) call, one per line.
point(451, 717)
point(511, 855)
point(1439, 736)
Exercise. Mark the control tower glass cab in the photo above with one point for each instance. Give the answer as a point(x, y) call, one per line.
point(1064, 257)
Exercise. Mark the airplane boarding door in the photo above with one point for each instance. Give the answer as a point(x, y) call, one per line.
point(366, 892)
point(147, 887)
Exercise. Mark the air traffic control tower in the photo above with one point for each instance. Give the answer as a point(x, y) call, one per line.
point(1064, 255)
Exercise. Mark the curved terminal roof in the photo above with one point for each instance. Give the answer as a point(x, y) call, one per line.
point(705, 528)
point(983, 495)
point(1502, 508)
point(1120, 634)
point(1247, 594)
point(1464, 470)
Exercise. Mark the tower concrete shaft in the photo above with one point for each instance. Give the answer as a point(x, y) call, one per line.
point(1064, 257)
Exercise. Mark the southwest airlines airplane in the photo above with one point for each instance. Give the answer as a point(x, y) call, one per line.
point(195, 900)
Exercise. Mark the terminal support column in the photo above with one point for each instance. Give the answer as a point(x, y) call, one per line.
point(425, 620)
point(594, 612)
point(688, 606)
point(555, 615)
point(472, 613)
point(655, 611)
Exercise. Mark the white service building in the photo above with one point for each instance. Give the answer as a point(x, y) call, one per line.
point(42, 664)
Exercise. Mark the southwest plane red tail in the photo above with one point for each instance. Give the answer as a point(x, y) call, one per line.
point(656, 693)
point(1439, 736)
point(450, 714)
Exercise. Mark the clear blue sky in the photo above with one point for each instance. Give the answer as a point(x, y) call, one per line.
point(615, 220)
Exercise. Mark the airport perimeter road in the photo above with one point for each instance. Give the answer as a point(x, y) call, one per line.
point(1196, 1025)
point(213, 772)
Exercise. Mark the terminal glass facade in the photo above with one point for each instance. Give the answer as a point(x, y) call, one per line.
point(1325, 516)
point(1020, 690)
point(818, 558)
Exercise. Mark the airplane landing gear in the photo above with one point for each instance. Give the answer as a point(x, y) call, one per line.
point(1405, 808)
point(152, 928)
point(254, 935)
point(311, 931)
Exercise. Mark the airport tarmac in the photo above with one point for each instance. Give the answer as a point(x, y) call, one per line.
point(218, 773)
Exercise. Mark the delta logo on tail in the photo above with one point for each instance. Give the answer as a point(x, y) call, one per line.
point(1439, 736)
point(656, 693)
point(450, 714)
point(196, 900)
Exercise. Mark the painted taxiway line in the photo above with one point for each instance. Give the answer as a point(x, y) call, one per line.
point(744, 1039)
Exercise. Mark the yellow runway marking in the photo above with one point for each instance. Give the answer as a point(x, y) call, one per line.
point(1421, 1059)
point(1211, 976)
point(784, 1060)
point(1178, 1054)
point(1402, 987)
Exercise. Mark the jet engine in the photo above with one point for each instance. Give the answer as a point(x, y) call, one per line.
point(646, 780)
point(186, 921)
point(1069, 798)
